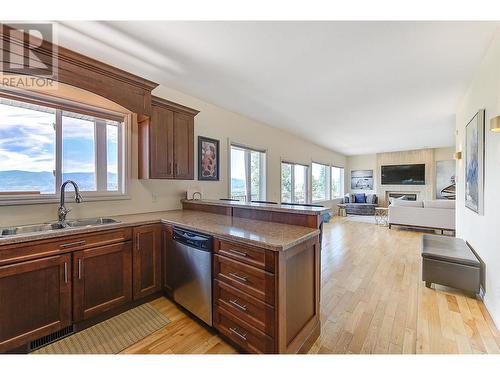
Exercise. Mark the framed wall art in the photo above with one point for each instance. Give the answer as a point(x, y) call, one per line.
point(208, 159)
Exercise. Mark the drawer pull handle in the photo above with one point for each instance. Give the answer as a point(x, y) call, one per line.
point(238, 305)
point(237, 252)
point(238, 277)
point(71, 244)
point(65, 273)
point(242, 336)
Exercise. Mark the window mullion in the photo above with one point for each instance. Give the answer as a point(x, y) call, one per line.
point(328, 178)
point(59, 151)
point(292, 178)
point(100, 155)
point(248, 178)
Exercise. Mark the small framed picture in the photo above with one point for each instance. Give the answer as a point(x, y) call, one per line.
point(208, 159)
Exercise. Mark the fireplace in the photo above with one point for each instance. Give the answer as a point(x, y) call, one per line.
point(408, 196)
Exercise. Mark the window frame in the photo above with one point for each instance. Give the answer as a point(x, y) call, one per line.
point(248, 161)
point(328, 195)
point(63, 105)
point(342, 182)
point(292, 177)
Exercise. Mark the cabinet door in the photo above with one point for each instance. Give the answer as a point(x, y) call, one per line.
point(102, 279)
point(161, 138)
point(183, 146)
point(166, 249)
point(35, 300)
point(147, 260)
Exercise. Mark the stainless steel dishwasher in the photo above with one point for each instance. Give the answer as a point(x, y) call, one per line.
point(190, 272)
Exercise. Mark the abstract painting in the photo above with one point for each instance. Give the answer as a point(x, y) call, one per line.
point(445, 179)
point(208, 159)
point(362, 180)
point(474, 163)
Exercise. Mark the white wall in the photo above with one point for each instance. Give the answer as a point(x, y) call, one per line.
point(482, 232)
point(361, 162)
point(373, 161)
point(157, 195)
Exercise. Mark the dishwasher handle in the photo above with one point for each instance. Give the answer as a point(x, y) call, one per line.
point(192, 239)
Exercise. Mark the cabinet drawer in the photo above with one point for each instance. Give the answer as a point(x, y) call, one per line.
point(251, 280)
point(42, 248)
point(260, 258)
point(241, 333)
point(247, 308)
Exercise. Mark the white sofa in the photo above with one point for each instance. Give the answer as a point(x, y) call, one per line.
point(434, 214)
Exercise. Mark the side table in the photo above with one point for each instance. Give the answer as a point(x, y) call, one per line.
point(382, 216)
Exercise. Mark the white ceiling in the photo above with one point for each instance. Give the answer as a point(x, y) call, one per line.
point(353, 87)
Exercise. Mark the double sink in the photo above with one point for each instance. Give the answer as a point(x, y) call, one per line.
point(46, 227)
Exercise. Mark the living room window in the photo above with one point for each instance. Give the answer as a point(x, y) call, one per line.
point(320, 182)
point(337, 182)
point(294, 183)
point(43, 144)
point(248, 173)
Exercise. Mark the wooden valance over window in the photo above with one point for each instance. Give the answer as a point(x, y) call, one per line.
point(123, 88)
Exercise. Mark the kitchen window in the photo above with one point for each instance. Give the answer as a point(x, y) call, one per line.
point(294, 183)
point(337, 182)
point(320, 182)
point(44, 144)
point(248, 174)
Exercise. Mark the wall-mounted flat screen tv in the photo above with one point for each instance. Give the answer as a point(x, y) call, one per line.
point(407, 174)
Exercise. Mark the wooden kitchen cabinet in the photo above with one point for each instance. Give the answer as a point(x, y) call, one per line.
point(147, 260)
point(35, 299)
point(166, 142)
point(183, 146)
point(267, 301)
point(102, 279)
point(166, 253)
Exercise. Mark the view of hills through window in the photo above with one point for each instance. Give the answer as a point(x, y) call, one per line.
point(28, 149)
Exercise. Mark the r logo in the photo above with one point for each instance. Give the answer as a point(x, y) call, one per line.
point(24, 51)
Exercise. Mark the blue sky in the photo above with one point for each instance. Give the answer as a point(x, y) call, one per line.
point(27, 142)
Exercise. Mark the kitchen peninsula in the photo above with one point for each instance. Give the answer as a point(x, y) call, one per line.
point(265, 277)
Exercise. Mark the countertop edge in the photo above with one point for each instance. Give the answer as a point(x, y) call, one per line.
point(257, 206)
point(40, 236)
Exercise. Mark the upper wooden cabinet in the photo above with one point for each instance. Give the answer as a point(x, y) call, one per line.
point(166, 142)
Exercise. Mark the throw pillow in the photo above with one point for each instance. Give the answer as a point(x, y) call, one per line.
point(371, 198)
point(346, 198)
point(360, 198)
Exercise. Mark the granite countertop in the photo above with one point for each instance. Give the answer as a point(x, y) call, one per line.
point(304, 210)
point(272, 236)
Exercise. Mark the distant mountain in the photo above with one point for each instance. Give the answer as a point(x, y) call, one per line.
point(44, 182)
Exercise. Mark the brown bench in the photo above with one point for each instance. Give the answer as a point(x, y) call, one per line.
point(451, 262)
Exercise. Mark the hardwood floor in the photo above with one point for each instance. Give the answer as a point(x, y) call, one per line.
point(372, 302)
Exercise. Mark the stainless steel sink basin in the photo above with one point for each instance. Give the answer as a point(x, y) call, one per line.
point(91, 222)
point(33, 228)
point(25, 229)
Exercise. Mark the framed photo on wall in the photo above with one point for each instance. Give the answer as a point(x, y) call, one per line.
point(362, 180)
point(208, 159)
point(474, 163)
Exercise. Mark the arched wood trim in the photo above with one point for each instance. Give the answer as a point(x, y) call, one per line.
point(119, 86)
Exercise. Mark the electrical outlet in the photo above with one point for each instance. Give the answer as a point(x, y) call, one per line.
point(154, 198)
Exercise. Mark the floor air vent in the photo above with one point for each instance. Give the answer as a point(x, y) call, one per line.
point(49, 339)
